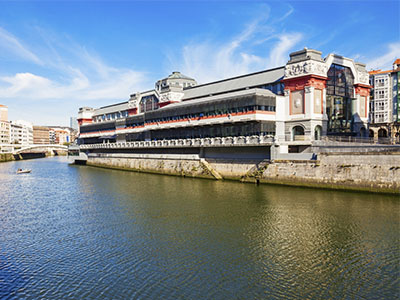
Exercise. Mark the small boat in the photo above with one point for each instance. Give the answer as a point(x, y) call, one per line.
point(20, 171)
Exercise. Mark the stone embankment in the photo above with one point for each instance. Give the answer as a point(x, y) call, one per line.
point(6, 157)
point(372, 172)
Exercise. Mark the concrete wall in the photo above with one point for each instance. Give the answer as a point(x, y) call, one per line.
point(373, 172)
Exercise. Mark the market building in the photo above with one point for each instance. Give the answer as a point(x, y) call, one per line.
point(288, 107)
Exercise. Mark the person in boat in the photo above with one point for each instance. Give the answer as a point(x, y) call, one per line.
point(19, 170)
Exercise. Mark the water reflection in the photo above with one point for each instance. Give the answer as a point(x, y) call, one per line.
point(83, 232)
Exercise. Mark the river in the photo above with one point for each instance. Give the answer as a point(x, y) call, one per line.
point(79, 232)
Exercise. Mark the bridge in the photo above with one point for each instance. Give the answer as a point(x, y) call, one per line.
point(48, 147)
point(17, 149)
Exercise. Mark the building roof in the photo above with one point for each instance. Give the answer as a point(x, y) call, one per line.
point(111, 108)
point(230, 95)
point(374, 72)
point(234, 84)
point(178, 75)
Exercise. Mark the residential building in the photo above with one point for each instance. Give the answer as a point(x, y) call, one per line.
point(385, 103)
point(61, 135)
point(4, 125)
point(41, 135)
point(21, 132)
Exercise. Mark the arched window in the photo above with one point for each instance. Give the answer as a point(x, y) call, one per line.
point(149, 103)
point(298, 133)
point(382, 133)
point(371, 133)
point(317, 132)
point(363, 132)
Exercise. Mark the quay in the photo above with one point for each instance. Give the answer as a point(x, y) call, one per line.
point(366, 167)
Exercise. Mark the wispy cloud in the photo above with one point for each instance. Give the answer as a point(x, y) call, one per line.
point(386, 60)
point(80, 74)
point(10, 44)
point(210, 60)
point(66, 76)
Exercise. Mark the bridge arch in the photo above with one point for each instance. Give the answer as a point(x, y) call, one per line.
point(46, 147)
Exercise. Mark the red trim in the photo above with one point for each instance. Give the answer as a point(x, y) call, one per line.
point(162, 104)
point(132, 111)
point(84, 121)
point(362, 89)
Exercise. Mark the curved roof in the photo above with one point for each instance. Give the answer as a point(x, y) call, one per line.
point(178, 75)
point(234, 84)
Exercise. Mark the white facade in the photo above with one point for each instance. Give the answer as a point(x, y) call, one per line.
point(4, 132)
point(382, 102)
point(21, 132)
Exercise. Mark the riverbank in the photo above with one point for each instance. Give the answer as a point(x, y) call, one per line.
point(368, 172)
point(4, 157)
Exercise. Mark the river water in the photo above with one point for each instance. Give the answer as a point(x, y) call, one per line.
point(78, 232)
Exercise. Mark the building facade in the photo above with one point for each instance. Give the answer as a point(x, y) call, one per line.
point(4, 125)
point(21, 132)
point(385, 103)
point(293, 105)
point(41, 135)
point(61, 135)
point(73, 123)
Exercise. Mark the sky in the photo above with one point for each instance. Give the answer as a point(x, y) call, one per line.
point(57, 56)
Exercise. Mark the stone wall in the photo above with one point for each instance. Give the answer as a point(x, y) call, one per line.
point(6, 157)
point(170, 166)
point(373, 172)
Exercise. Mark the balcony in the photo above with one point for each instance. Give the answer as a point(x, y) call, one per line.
point(230, 141)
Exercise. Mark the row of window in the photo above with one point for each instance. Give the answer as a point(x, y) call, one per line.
point(141, 120)
point(381, 118)
point(220, 130)
point(215, 113)
point(111, 116)
point(381, 94)
point(379, 105)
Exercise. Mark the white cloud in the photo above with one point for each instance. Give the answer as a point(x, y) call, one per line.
point(210, 60)
point(385, 61)
point(11, 45)
point(79, 73)
point(118, 85)
point(279, 54)
point(66, 77)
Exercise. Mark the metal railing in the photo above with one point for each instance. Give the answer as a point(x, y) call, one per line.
point(254, 140)
point(361, 140)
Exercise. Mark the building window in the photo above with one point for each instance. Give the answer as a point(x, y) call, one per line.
point(318, 109)
point(339, 102)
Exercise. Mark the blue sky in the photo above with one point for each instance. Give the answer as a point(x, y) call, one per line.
point(57, 56)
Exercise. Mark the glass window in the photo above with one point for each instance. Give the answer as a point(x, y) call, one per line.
point(339, 102)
